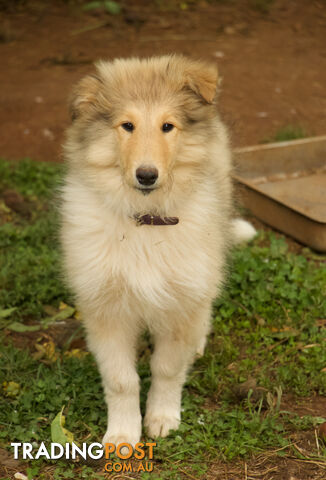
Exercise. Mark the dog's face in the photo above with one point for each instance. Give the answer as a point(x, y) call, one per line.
point(133, 121)
point(147, 136)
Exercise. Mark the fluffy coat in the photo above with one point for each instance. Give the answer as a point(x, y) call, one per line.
point(126, 277)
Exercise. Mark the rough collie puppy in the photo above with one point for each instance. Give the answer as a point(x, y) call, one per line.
point(146, 225)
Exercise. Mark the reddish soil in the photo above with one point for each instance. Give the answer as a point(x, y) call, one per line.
point(273, 64)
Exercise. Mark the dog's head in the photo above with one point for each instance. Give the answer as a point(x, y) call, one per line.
point(136, 122)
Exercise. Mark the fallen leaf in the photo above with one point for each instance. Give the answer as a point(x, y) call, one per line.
point(63, 305)
point(40, 353)
point(78, 315)
point(46, 350)
point(11, 389)
point(50, 352)
point(6, 312)
point(63, 314)
point(285, 332)
point(4, 208)
point(20, 327)
point(76, 353)
point(59, 434)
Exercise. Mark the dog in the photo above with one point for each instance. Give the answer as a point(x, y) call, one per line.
point(147, 222)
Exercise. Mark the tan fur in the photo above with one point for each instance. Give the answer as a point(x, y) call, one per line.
point(128, 277)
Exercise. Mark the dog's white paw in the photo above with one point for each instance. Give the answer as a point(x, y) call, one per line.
point(160, 425)
point(200, 350)
point(122, 431)
point(121, 437)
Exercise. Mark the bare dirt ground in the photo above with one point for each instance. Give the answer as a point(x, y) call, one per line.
point(273, 69)
point(273, 64)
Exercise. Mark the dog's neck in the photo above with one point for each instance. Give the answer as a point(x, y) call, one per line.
point(157, 212)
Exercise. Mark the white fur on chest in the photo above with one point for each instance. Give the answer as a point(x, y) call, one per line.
point(107, 254)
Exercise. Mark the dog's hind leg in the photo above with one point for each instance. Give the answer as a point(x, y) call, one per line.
point(205, 319)
point(115, 352)
point(173, 354)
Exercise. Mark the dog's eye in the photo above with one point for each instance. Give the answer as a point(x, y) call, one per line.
point(167, 127)
point(128, 126)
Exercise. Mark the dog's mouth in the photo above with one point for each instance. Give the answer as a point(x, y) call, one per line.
point(145, 190)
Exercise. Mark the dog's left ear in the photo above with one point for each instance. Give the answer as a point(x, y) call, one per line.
point(84, 95)
point(202, 78)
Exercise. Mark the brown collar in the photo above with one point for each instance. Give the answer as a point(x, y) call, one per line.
point(155, 220)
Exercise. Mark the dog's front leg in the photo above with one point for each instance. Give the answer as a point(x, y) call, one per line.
point(169, 365)
point(115, 351)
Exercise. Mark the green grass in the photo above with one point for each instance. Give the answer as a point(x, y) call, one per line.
point(265, 326)
point(286, 133)
point(262, 6)
point(30, 258)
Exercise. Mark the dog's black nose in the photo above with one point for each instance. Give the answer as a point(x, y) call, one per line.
point(147, 175)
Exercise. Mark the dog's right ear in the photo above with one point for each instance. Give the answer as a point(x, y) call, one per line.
point(202, 78)
point(84, 96)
